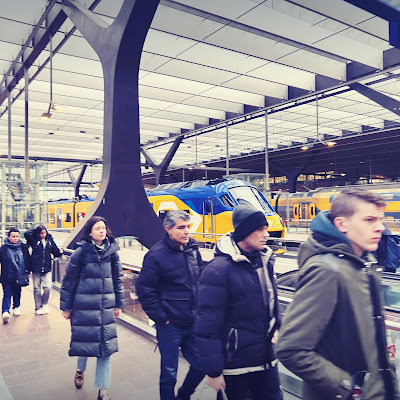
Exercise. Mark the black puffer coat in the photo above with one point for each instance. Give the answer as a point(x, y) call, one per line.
point(233, 329)
point(167, 284)
point(5, 261)
point(41, 258)
point(92, 288)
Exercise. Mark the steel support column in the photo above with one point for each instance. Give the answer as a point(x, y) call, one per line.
point(227, 149)
point(121, 198)
point(9, 123)
point(26, 76)
point(293, 175)
point(267, 188)
point(76, 182)
point(160, 169)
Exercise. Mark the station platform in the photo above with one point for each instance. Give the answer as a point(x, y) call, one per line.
point(34, 361)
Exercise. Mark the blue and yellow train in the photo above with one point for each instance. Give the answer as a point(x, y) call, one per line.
point(209, 202)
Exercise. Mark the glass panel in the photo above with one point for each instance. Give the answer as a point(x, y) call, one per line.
point(249, 196)
point(391, 291)
point(23, 205)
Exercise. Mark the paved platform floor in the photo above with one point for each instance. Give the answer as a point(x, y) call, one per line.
point(34, 361)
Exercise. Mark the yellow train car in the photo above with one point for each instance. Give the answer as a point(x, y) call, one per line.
point(63, 214)
point(306, 205)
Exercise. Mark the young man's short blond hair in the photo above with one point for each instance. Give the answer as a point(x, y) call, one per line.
point(345, 203)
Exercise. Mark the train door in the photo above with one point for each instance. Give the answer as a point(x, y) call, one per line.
point(208, 220)
point(306, 210)
point(59, 217)
point(296, 211)
point(312, 210)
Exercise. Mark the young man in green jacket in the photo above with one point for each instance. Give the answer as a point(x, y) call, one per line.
point(333, 333)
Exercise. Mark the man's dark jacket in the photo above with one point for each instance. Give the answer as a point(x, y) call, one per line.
point(234, 326)
point(41, 258)
point(92, 288)
point(6, 263)
point(167, 283)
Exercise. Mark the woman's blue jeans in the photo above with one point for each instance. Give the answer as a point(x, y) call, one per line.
point(103, 371)
point(170, 338)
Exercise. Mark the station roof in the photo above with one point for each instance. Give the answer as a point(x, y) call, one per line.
point(208, 65)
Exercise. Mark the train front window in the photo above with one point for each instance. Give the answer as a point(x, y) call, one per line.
point(250, 196)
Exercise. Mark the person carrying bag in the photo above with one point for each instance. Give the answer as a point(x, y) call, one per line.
point(15, 264)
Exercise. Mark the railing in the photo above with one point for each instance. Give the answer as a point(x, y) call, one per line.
point(303, 225)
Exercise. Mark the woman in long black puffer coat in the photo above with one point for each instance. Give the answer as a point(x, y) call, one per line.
point(92, 298)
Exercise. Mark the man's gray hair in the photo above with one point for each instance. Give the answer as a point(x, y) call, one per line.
point(172, 216)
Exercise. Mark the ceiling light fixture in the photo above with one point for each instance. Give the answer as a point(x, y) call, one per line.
point(45, 116)
point(329, 143)
point(57, 107)
point(52, 107)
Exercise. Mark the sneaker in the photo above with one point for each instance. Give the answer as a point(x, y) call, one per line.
point(103, 395)
point(79, 379)
point(39, 311)
point(17, 311)
point(45, 309)
point(5, 316)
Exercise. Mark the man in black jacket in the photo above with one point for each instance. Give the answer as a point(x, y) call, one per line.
point(237, 313)
point(14, 260)
point(167, 290)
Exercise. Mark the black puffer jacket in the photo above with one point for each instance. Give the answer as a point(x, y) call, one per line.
point(167, 284)
point(5, 261)
point(92, 288)
point(41, 258)
point(232, 326)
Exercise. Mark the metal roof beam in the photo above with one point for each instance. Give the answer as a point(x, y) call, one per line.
point(380, 8)
point(385, 10)
point(385, 101)
point(234, 24)
point(38, 39)
point(51, 159)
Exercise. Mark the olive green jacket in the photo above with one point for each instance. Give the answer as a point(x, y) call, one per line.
point(328, 334)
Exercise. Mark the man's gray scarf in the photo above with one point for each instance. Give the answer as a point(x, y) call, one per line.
point(15, 255)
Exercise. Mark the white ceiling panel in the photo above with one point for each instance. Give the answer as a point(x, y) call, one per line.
point(203, 59)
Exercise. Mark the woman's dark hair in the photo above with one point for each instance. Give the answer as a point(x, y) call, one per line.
point(87, 229)
point(37, 230)
point(11, 231)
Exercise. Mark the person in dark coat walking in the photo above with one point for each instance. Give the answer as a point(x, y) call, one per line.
point(167, 290)
point(237, 312)
point(92, 297)
point(14, 259)
point(43, 247)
